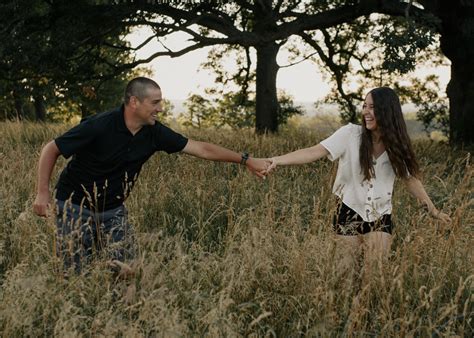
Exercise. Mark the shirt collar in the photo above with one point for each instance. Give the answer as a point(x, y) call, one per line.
point(121, 126)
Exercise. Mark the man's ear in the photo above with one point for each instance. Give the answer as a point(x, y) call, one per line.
point(134, 101)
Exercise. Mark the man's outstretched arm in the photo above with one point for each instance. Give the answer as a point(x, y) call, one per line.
point(46, 163)
point(213, 152)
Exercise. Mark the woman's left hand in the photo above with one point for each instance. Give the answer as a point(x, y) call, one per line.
point(441, 216)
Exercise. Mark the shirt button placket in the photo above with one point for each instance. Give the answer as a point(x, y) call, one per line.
point(370, 196)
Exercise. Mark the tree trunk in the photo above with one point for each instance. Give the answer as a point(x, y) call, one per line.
point(461, 101)
point(266, 101)
point(40, 109)
point(18, 106)
point(457, 44)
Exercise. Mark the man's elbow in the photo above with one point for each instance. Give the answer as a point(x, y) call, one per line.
point(206, 152)
point(198, 149)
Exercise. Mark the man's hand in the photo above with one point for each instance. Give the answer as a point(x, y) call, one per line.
point(41, 204)
point(124, 271)
point(258, 166)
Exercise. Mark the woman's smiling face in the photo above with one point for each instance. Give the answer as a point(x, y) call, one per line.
point(368, 113)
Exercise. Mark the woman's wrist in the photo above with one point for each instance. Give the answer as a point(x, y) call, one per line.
point(274, 160)
point(435, 212)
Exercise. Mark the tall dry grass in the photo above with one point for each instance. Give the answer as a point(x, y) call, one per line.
point(223, 254)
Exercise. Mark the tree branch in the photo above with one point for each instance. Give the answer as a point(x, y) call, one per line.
point(297, 62)
point(169, 53)
point(215, 20)
point(245, 4)
point(344, 14)
point(338, 70)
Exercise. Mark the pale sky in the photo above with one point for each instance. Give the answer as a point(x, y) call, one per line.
point(181, 76)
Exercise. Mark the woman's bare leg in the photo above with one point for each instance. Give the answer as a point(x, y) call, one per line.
point(349, 250)
point(376, 246)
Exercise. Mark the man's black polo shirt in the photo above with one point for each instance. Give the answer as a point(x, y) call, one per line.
point(107, 158)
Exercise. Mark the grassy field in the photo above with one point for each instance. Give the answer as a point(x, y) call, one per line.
point(224, 254)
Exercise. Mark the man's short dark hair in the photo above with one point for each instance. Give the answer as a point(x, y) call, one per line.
point(139, 87)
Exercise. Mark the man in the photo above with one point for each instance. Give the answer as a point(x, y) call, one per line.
point(108, 151)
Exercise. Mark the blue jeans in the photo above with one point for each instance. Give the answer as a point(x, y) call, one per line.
point(83, 234)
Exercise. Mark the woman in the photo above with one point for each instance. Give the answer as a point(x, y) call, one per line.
point(370, 156)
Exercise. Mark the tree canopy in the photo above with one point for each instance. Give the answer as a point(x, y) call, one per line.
point(53, 60)
point(334, 29)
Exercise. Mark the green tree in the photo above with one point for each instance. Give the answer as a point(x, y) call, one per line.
point(51, 61)
point(200, 112)
point(232, 109)
point(432, 108)
point(266, 25)
point(367, 53)
point(236, 107)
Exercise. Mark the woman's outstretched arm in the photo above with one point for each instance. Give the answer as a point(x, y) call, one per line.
point(415, 187)
point(300, 156)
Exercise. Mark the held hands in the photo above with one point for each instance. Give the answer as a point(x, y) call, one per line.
point(261, 167)
point(272, 166)
point(258, 166)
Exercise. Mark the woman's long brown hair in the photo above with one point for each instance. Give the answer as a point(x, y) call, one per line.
point(393, 131)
